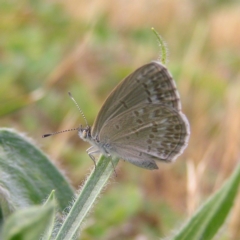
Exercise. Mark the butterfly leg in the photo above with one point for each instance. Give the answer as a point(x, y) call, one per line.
point(93, 158)
point(90, 152)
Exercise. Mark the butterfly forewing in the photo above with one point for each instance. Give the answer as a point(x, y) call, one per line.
point(151, 83)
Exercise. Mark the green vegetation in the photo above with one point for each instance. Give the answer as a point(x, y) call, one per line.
point(48, 49)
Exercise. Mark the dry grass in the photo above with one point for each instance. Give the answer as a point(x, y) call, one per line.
point(204, 46)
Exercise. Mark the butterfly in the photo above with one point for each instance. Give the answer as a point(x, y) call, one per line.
point(141, 120)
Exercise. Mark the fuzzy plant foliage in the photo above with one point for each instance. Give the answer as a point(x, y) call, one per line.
point(34, 193)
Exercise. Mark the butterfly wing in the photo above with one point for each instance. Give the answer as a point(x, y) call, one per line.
point(146, 133)
point(151, 83)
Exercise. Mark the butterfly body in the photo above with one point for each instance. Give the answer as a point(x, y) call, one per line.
point(97, 146)
point(141, 120)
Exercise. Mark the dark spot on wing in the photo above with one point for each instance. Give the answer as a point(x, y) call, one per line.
point(139, 121)
point(136, 113)
point(151, 135)
point(154, 129)
point(149, 141)
point(149, 100)
point(124, 104)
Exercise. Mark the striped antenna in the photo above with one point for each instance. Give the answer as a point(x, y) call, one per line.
point(50, 134)
point(72, 129)
point(80, 110)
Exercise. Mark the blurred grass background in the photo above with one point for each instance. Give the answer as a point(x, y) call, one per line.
point(48, 48)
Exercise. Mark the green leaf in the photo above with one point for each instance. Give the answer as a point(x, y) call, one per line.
point(27, 175)
point(30, 223)
point(49, 229)
point(210, 217)
point(89, 193)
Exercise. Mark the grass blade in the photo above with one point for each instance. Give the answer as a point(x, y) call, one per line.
point(90, 191)
point(210, 217)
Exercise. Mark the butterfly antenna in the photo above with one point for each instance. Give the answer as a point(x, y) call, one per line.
point(50, 134)
point(80, 110)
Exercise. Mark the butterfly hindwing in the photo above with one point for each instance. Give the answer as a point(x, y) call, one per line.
point(145, 133)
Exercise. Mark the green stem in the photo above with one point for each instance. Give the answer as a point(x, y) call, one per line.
point(85, 200)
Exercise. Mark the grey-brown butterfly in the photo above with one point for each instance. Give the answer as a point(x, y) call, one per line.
point(141, 120)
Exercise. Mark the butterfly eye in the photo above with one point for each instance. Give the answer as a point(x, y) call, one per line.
point(84, 133)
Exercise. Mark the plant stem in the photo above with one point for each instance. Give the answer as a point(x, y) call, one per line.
point(85, 200)
point(163, 47)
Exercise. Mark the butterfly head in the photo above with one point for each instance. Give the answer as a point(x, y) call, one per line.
point(84, 133)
